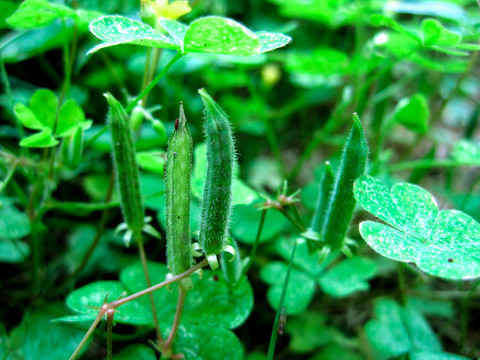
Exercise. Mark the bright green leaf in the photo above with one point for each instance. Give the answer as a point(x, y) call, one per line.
point(307, 331)
point(37, 13)
point(217, 343)
point(27, 117)
point(442, 243)
point(271, 41)
point(13, 251)
point(465, 151)
point(116, 30)
point(220, 35)
point(387, 332)
point(175, 29)
point(44, 104)
point(42, 139)
point(70, 117)
point(434, 33)
point(152, 161)
point(349, 276)
point(413, 113)
point(300, 288)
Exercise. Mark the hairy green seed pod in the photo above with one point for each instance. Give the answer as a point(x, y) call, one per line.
point(177, 188)
point(325, 188)
point(342, 201)
point(126, 166)
point(217, 193)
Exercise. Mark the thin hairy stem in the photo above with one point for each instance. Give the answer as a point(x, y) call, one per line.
point(176, 321)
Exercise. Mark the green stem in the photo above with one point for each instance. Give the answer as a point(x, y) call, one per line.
point(152, 84)
point(143, 258)
point(299, 226)
point(273, 339)
point(110, 314)
point(90, 331)
point(253, 253)
point(401, 282)
point(10, 173)
point(176, 322)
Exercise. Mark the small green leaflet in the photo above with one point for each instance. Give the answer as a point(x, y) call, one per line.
point(212, 34)
point(442, 243)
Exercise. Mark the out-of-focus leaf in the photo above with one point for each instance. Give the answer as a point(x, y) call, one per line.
point(413, 113)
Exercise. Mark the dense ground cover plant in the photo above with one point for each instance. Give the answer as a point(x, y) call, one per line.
point(110, 208)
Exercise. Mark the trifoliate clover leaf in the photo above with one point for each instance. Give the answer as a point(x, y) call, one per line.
point(441, 243)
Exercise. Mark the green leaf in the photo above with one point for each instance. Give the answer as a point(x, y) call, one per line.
point(14, 224)
point(12, 251)
point(413, 113)
point(27, 117)
point(466, 151)
point(116, 30)
point(38, 338)
point(136, 351)
point(152, 161)
point(321, 61)
point(70, 117)
point(335, 351)
point(88, 299)
point(37, 13)
point(419, 331)
point(44, 104)
point(175, 29)
point(300, 288)
point(245, 221)
point(385, 21)
point(441, 243)
point(434, 33)
point(307, 331)
point(42, 139)
point(210, 302)
point(387, 332)
point(427, 355)
point(217, 343)
point(220, 35)
point(271, 41)
point(349, 276)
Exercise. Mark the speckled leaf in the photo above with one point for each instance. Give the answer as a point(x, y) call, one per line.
point(349, 276)
point(175, 29)
point(220, 35)
point(209, 302)
point(271, 41)
point(115, 30)
point(300, 288)
point(216, 344)
point(442, 243)
point(87, 300)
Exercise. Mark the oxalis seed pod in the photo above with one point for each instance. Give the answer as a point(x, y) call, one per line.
point(126, 167)
point(342, 201)
point(217, 193)
point(177, 188)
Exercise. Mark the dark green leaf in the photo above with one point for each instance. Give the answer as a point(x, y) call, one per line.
point(308, 331)
point(427, 355)
point(300, 288)
point(13, 251)
point(14, 224)
point(337, 352)
point(347, 277)
point(136, 351)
